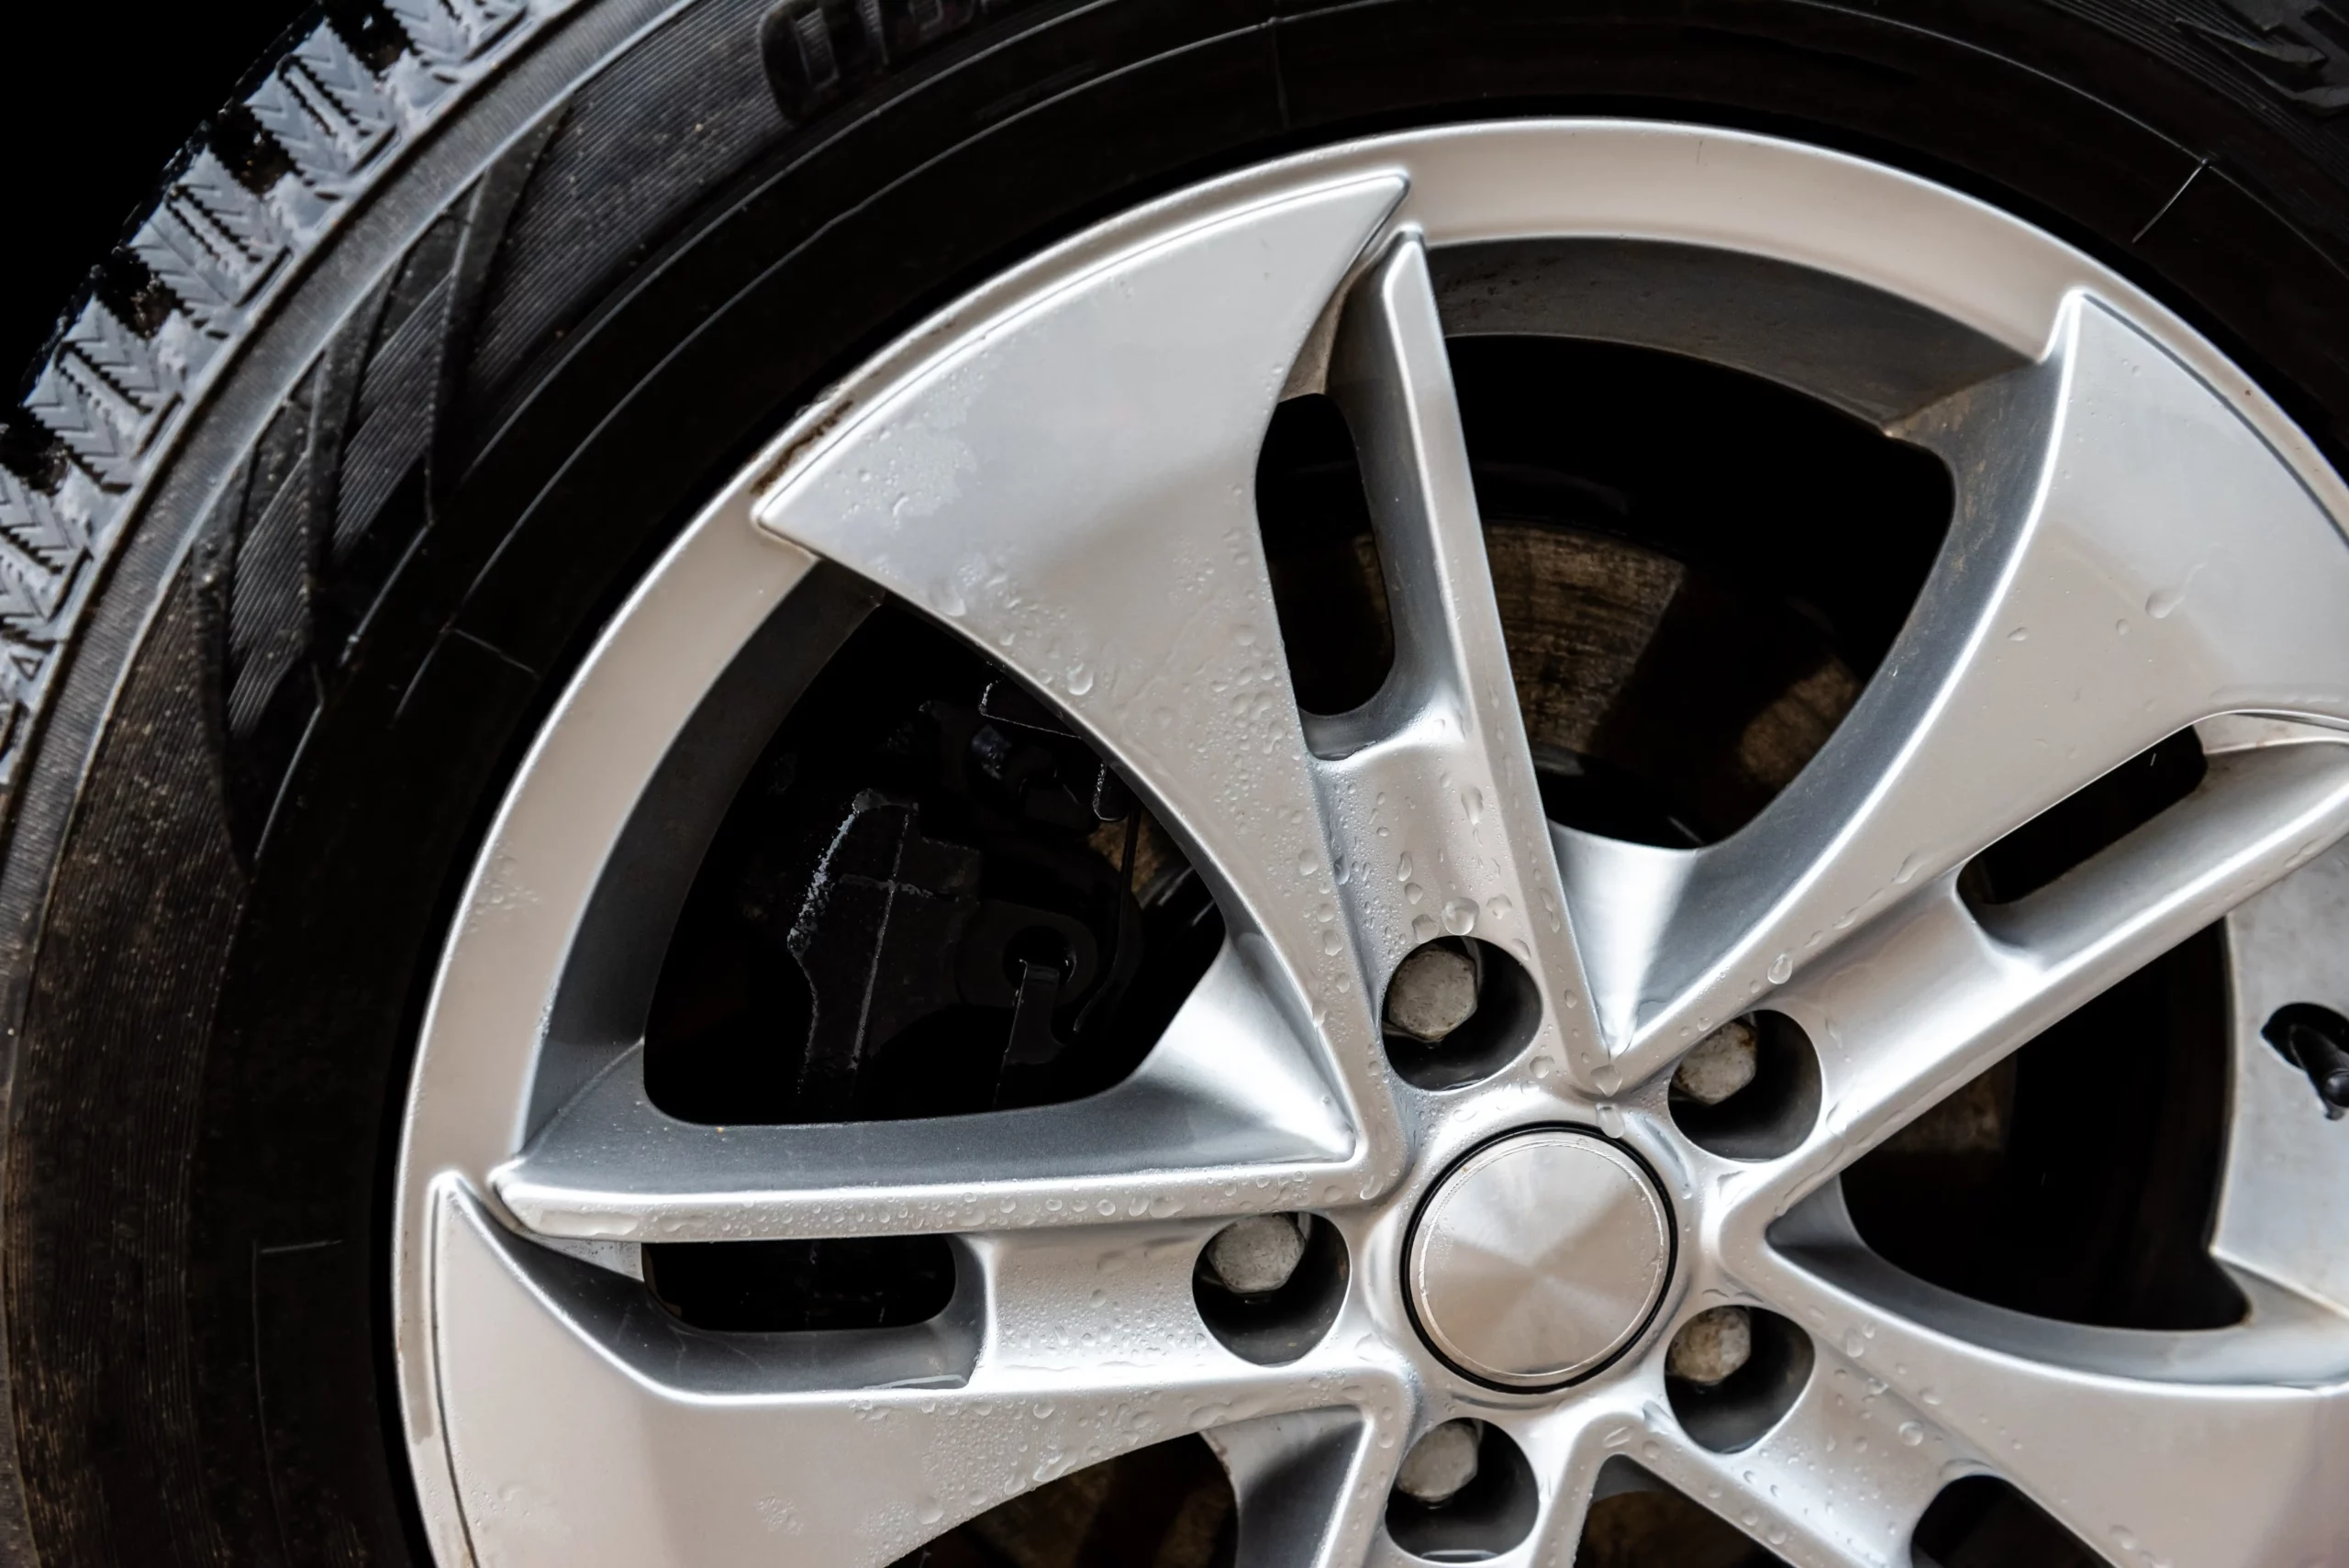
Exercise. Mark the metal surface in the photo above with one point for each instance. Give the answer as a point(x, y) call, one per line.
point(1537, 1258)
point(1060, 468)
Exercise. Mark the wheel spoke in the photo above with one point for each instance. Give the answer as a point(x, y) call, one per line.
point(2161, 1448)
point(672, 1444)
point(1229, 1113)
point(1431, 784)
point(1934, 993)
point(1310, 1486)
point(1836, 1483)
point(2128, 558)
point(1071, 489)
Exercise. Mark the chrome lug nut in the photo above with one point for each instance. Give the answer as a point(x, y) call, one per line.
point(1255, 1256)
point(1442, 1464)
point(1721, 1063)
point(1433, 994)
point(1711, 1346)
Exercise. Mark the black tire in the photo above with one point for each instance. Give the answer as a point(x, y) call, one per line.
point(312, 507)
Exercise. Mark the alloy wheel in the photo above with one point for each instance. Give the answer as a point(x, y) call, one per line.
point(1061, 470)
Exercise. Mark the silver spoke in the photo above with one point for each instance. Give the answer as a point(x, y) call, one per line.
point(1840, 1481)
point(1070, 488)
point(676, 1446)
point(1310, 1485)
point(1430, 786)
point(2129, 557)
point(1934, 993)
point(2154, 1446)
point(1227, 1114)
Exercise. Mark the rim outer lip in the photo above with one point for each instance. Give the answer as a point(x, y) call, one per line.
point(1630, 1341)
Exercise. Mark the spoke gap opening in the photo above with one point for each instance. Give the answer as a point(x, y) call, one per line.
point(2078, 1179)
point(929, 897)
point(2085, 823)
point(882, 1282)
point(1329, 584)
point(1983, 1522)
point(1698, 571)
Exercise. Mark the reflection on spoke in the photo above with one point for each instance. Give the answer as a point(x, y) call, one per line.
point(2171, 1440)
point(675, 1444)
point(1431, 783)
point(2129, 557)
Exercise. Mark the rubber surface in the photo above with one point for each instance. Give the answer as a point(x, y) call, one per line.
point(314, 504)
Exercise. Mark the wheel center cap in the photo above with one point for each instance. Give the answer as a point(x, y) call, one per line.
point(1537, 1258)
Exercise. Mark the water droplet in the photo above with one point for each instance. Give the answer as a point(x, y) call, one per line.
point(1460, 917)
point(1342, 871)
point(1853, 1344)
point(929, 1512)
point(1497, 907)
point(1472, 803)
point(1911, 1433)
point(948, 600)
point(1413, 892)
point(1610, 1119)
point(1080, 679)
point(1930, 1398)
point(2019, 634)
point(2120, 627)
point(1403, 867)
point(1544, 1067)
point(1908, 871)
point(1782, 969)
point(1607, 1079)
point(1424, 929)
point(1244, 635)
point(2161, 601)
point(1518, 946)
point(1330, 944)
point(1305, 863)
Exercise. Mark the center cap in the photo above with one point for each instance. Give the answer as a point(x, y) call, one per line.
point(1539, 1257)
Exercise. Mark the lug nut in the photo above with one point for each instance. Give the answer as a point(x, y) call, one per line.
point(1711, 1346)
point(1721, 1063)
point(1433, 994)
point(1442, 1464)
point(1255, 1256)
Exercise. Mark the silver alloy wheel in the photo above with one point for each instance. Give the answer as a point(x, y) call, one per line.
point(1059, 467)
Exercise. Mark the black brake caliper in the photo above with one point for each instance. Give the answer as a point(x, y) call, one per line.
point(982, 892)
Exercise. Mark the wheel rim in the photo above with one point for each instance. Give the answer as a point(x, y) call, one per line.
point(1059, 469)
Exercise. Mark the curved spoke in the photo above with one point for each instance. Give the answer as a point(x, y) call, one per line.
point(1839, 1482)
point(669, 1444)
point(1430, 786)
point(2128, 558)
point(1933, 993)
point(2212, 1448)
point(1310, 1486)
point(1229, 1113)
point(1071, 488)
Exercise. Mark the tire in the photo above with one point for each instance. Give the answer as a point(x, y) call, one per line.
point(416, 365)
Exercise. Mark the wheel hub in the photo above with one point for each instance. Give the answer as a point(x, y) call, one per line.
point(1537, 1258)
